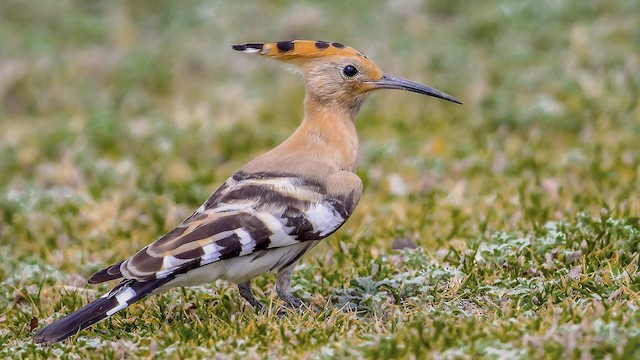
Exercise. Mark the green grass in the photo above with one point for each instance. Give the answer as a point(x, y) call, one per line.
point(518, 212)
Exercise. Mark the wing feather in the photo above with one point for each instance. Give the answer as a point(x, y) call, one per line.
point(248, 213)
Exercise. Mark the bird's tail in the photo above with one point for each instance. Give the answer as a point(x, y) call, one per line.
point(124, 294)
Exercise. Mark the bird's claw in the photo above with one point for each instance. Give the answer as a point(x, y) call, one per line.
point(291, 301)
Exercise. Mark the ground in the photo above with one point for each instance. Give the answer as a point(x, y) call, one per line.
point(503, 228)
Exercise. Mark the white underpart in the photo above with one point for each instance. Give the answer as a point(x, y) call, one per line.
point(324, 218)
point(251, 50)
point(239, 269)
point(123, 297)
point(248, 243)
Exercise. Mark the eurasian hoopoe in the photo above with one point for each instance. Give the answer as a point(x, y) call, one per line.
point(275, 208)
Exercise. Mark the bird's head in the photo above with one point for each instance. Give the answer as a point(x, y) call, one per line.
point(336, 74)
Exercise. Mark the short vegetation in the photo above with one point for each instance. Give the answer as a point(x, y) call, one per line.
point(506, 228)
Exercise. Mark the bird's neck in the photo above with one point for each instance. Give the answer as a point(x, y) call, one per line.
point(329, 130)
point(325, 141)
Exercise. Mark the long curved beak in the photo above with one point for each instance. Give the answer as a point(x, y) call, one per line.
point(391, 82)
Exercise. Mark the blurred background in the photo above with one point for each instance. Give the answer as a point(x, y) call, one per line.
point(118, 118)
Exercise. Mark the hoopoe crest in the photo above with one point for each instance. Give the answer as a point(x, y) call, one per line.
point(271, 211)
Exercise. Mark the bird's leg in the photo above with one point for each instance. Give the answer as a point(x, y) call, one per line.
point(283, 287)
point(245, 292)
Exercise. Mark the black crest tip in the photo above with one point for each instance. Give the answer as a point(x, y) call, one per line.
point(250, 48)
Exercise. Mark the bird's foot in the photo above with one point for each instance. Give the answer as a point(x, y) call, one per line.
point(291, 303)
point(247, 294)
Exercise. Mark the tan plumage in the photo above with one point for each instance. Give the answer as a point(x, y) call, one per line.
point(272, 210)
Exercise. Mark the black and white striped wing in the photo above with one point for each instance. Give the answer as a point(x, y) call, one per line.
point(248, 213)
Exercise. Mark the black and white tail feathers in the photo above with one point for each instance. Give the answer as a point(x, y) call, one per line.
point(124, 294)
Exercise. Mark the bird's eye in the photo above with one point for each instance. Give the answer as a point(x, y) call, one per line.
point(350, 70)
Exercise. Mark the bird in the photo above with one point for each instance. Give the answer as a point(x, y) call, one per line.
point(271, 211)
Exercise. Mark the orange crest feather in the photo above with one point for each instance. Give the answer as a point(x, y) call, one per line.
point(298, 49)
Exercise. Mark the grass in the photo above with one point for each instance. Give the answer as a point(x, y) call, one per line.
point(504, 228)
